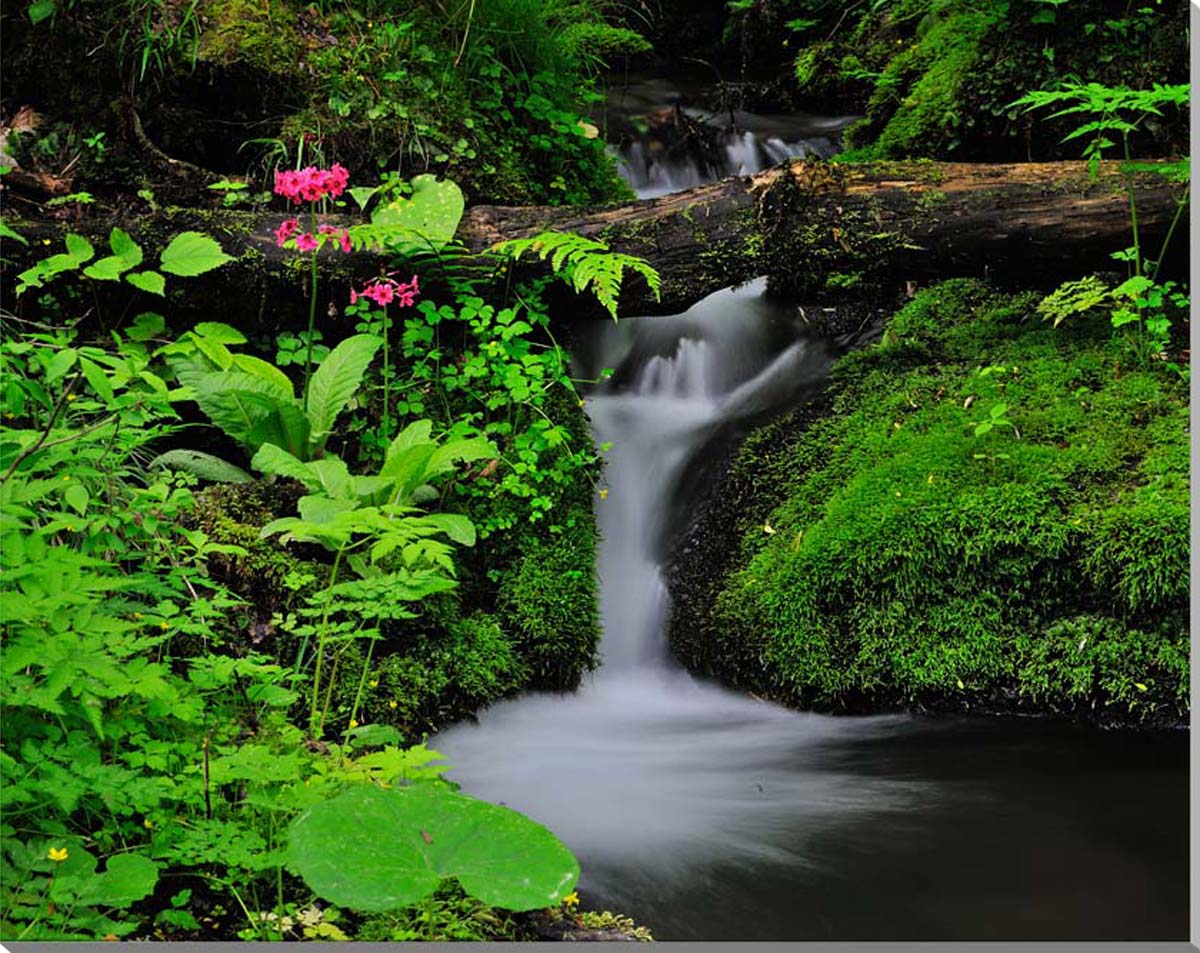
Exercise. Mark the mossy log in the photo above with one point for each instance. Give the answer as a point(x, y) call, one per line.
point(807, 225)
point(804, 222)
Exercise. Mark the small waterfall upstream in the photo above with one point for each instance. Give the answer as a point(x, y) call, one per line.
point(742, 152)
point(707, 814)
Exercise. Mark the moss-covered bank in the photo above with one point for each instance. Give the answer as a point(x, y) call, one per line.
point(883, 555)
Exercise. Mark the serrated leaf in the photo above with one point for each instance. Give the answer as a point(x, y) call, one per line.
point(379, 850)
point(149, 281)
point(77, 498)
point(146, 325)
point(190, 254)
point(126, 879)
point(97, 378)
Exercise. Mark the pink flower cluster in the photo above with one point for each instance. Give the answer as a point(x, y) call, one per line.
point(305, 241)
point(311, 184)
point(385, 291)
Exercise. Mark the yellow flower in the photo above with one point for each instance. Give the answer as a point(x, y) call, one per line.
point(604, 494)
point(353, 723)
point(374, 683)
point(164, 625)
point(57, 854)
point(71, 397)
point(392, 703)
point(148, 824)
point(571, 900)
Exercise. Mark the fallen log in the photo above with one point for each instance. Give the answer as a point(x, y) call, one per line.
point(806, 221)
point(808, 225)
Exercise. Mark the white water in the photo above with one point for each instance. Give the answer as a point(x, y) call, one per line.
point(745, 153)
point(648, 774)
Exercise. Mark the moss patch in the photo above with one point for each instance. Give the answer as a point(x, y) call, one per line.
point(910, 562)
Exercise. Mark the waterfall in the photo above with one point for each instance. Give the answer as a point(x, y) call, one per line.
point(651, 174)
point(645, 771)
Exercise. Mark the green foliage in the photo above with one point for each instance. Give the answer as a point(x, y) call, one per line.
point(376, 850)
point(1140, 306)
point(917, 555)
point(586, 264)
point(254, 402)
point(937, 78)
point(427, 218)
point(188, 254)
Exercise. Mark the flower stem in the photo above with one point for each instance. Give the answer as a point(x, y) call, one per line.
point(312, 308)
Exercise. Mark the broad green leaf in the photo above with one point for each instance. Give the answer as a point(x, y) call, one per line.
point(77, 498)
point(107, 269)
point(217, 331)
point(79, 249)
point(191, 253)
point(429, 217)
point(149, 281)
point(126, 879)
point(335, 381)
point(145, 326)
point(204, 465)
point(274, 460)
point(97, 378)
point(268, 372)
point(379, 850)
point(40, 10)
point(125, 247)
point(458, 528)
point(6, 231)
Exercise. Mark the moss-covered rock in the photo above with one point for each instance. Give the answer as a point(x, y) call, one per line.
point(936, 78)
point(887, 555)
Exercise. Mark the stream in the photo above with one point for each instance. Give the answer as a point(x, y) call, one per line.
point(707, 814)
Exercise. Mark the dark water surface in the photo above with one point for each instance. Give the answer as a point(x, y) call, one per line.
point(708, 814)
point(1018, 830)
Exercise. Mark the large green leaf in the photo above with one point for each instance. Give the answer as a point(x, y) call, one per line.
point(203, 465)
point(127, 878)
point(236, 402)
point(378, 850)
point(334, 383)
point(429, 217)
point(191, 253)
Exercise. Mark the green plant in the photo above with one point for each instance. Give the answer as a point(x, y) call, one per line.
point(254, 402)
point(1140, 305)
point(404, 842)
point(187, 254)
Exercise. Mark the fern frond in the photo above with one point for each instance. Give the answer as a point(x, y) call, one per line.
point(586, 264)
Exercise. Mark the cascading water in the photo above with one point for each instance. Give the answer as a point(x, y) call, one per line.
point(711, 815)
point(644, 765)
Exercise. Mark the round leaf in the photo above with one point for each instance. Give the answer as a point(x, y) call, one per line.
point(376, 850)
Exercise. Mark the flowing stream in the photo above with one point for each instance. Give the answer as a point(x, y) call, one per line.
point(708, 814)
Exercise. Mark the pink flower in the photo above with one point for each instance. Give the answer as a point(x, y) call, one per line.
point(287, 228)
point(306, 242)
point(342, 236)
point(336, 180)
point(311, 184)
point(384, 291)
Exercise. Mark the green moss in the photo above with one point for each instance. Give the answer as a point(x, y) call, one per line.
point(549, 602)
point(263, 35)
point(435, 673)
point(912, 561)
